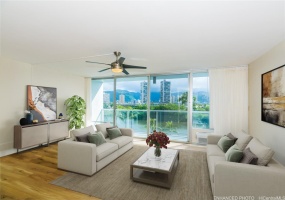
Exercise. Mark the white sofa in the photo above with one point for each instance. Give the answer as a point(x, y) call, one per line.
point(87, 158)
point(239, 179)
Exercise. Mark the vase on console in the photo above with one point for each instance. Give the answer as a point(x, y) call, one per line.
point(29, 117)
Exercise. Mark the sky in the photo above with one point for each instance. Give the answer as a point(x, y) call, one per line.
point(177, 85)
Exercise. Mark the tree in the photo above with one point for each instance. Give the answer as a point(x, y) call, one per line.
point(184, 98)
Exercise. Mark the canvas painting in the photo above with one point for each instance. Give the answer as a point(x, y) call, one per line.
point(42, 102)
point(273, 96)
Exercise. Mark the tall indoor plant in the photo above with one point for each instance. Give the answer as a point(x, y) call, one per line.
point(75, 109)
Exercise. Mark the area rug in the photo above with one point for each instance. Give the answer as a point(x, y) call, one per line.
point(113, 182)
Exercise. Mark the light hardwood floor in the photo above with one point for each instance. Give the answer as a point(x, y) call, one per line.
point(27, 175)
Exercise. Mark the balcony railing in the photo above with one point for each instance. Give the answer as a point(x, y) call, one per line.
point(172, 122)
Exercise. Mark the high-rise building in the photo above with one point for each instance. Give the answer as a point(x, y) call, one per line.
point(143, 92)
point(106, 98)
point(165, 91)
point(122, 99)
point(173, 99)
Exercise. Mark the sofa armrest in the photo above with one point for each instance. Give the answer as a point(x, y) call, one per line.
point(238, 179)
point(79, 157)
point(127, 131)
point(213, 139)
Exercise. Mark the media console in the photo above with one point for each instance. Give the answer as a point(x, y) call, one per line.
point(40, 133)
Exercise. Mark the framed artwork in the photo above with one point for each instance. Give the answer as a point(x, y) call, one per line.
point(42, 102)
point(273, 96)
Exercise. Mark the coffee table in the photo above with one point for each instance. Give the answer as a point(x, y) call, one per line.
point(159, 172)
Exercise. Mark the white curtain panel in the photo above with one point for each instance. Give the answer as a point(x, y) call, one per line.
point(229, 100)
point(88, 115)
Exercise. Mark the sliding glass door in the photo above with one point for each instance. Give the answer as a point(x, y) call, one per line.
point(169, 105)
point(131, 104)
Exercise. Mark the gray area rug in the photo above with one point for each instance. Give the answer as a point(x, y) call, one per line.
point(113, 182)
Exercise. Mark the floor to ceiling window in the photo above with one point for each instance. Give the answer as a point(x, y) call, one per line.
point(102, 103)
point(131, 104)
point(200, 105)
point(156, 102)
point(168, 110)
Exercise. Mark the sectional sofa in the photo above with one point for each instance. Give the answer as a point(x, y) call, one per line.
point(244, 180)
point(88, 158)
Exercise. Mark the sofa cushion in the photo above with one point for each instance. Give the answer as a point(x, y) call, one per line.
point(214, 150)
point(82, 131)
point(105, 150)
point(102, 128)
point(212, 160)
point(234, 154)
point(249, 157)
point(263, 152)
point(114, 133)
point(83, 138)
point(121, 141)
point(225, 143)
point(242, 139)
point(97, 138)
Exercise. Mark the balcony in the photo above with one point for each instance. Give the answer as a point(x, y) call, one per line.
point(171, 122)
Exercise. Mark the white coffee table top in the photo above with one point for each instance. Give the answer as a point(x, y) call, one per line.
point(148, 159)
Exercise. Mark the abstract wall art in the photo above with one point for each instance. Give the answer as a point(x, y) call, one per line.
point(273, 96)
point(42, 102)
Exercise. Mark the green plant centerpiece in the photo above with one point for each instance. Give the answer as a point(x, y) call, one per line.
point(158, 140)
point(75, 109)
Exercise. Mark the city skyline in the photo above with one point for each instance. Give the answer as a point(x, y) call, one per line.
point(177, 84)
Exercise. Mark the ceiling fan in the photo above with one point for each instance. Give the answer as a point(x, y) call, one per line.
point(118, 65)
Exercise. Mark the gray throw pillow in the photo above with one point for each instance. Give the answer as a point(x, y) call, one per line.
point(234, 154)
point(225, 143)
point(263, 152)
point(249, 157)
point(114, 133)
point(97, 139)
point(83, 138)
point(232, 137)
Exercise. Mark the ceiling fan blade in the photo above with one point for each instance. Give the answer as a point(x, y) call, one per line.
point(104, 69)
point(97, 63)
point(132, 66)
point(126, 72)
point(121, 60)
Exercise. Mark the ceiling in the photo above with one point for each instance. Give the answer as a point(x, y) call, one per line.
point(165, 36)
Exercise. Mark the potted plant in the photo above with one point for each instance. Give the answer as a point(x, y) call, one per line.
point(75, 109)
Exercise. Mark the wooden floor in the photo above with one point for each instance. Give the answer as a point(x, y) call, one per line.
point(27, 175)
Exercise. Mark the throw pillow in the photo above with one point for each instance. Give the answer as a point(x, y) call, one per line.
point(102, 128)
point(263, 152)
point(232, 137)
point(249, 157)
point(97, 139)
point(233, 154)
point(114, 133)
point(242, 139)
point(83, 138)
point(225, 143)
point(81, 131)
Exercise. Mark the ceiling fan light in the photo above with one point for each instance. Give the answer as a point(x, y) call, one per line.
point(117, 70)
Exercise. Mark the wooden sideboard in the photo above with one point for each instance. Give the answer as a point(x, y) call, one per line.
point(40, 133)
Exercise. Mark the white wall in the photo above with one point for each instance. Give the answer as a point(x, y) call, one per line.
point(271, 135)
point(14, 78)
